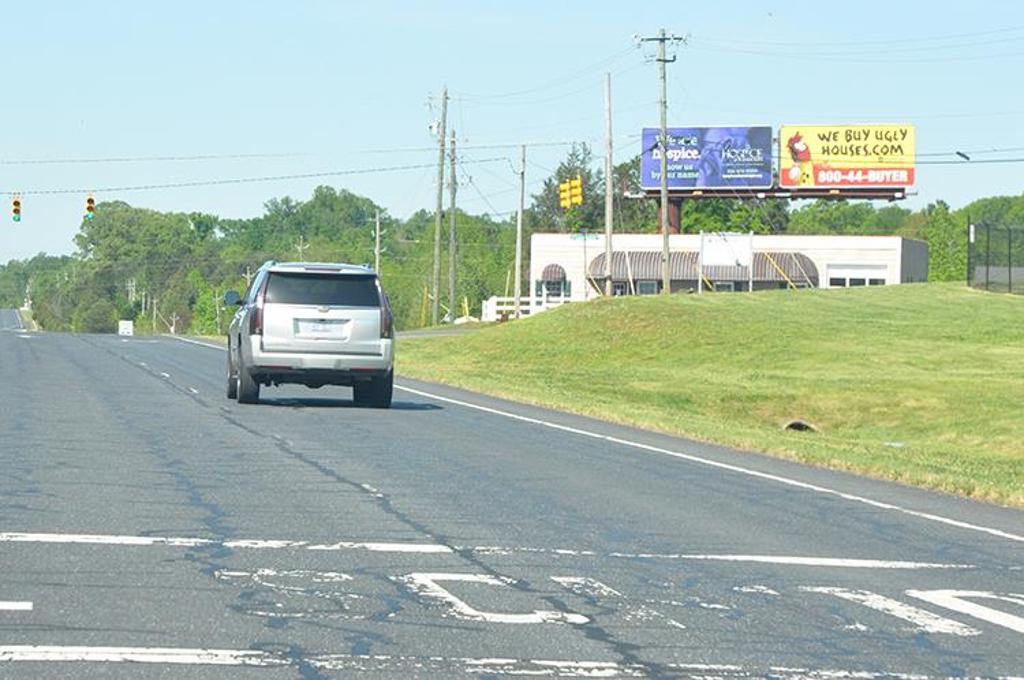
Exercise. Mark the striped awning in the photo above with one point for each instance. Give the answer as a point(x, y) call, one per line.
point(553, 272)
point(646, 265)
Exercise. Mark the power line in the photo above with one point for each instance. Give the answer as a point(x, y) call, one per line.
point(901, 40)
point(237, 180)
point(145, 159)
point(556, 82)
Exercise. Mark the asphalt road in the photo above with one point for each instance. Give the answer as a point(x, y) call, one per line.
point(149, 527)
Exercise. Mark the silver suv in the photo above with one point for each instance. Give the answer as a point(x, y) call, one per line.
point(312, 324)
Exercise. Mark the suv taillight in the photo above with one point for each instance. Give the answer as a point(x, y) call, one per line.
point(256, 320)
point(387, 322)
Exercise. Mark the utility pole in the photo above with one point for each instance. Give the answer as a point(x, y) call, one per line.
point(376, 241)
point(666, 270)
point(519, 230)
point(608, 197)
point(436, 278)
point(452, 244)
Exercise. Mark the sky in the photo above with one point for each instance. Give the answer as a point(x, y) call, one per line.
point(269, 89)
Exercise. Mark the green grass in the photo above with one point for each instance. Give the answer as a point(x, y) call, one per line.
point(923, 384)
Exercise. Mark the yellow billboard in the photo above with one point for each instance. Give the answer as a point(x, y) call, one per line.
point(846, 156)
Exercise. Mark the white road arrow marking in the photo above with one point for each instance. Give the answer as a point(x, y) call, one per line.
point(955, 600)
point(924, 621)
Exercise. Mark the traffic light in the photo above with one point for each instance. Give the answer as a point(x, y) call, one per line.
point(564, 199)
point(16, 209)
point(576, 190)
point(90, 208)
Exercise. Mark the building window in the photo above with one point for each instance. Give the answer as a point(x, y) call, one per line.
point(725, 286)
point(857, 282)
point(620, 288)
point(876, 282)
point(646, 287)
point(553, 289)
point(837, 283)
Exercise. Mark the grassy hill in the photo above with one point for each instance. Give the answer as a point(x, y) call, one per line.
point(919, 383)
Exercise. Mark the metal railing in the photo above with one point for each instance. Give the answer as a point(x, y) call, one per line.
point(995, 258)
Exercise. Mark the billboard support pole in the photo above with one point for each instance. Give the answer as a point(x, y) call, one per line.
point(700, 264)
point(750, 267)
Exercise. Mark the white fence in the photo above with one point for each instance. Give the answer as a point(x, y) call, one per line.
point(503, 308)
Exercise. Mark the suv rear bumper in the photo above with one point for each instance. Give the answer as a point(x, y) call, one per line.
point(313, 367)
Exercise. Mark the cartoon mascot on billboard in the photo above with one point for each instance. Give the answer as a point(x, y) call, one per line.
point(802, 172)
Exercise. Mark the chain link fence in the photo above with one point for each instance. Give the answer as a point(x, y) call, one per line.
point(995, 258)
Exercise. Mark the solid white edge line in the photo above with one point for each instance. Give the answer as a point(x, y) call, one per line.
point(999, 533)
point(723, 466)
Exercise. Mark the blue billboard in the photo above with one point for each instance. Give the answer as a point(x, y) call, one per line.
point(709, 158)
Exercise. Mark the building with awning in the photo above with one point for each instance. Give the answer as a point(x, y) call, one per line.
point(572, 266)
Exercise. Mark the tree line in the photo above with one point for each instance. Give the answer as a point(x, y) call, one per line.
point(171, 269)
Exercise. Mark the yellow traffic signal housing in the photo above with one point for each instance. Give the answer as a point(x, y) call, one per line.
point(564, 195)
point(576, 190)
point(16, 209)
point(90, 208)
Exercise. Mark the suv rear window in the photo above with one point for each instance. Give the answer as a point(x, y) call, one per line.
point(348, 290)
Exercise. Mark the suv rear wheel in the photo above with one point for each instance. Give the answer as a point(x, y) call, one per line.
point(248, 389)
point(376, 393)
point(232, 376)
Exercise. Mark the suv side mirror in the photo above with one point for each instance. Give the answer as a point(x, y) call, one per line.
point(232, 298)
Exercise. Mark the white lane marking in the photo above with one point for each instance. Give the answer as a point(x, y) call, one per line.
point(806, 561)
point(426, 584)
point(423, 548)
point(165, 655)
point(924, 621)
point(196, 342)
point(413, 665)
point(15, 606)
point(700, 460)
point(193, 390)
point(25, 336)
point(723, 466)
point(165, 376)
point(438, 548)
point(955, 600)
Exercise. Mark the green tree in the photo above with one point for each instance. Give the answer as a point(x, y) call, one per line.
point(947, 246)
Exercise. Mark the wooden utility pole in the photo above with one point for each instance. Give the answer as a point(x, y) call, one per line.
point(376, 241)
point(452, 241)
point(608, 184)
point(436, 278)
point(518, 286)
point(666, 270)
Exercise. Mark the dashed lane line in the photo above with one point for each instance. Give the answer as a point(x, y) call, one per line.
point(15, 606)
